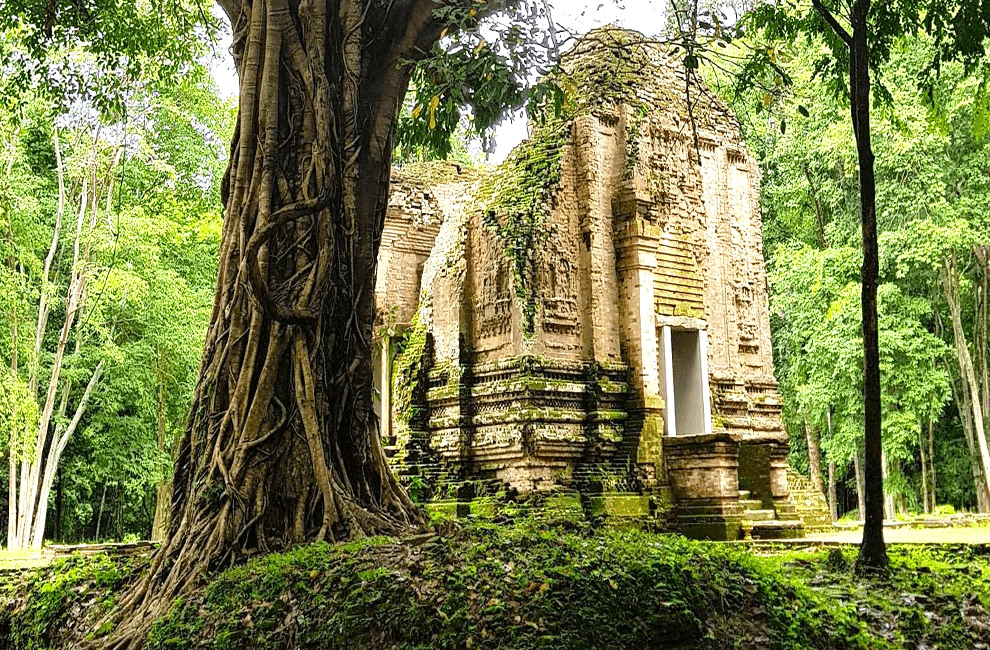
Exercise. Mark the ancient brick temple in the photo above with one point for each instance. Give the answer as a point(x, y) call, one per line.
point(589, 322)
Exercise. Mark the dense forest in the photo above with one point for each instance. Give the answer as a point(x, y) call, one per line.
point(933, 188)
point(110, 231)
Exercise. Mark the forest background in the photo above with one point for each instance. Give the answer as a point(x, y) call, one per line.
point(110, 228)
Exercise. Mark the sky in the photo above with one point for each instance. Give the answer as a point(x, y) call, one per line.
point(578, 16)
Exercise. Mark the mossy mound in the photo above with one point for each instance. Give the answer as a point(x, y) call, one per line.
point(524, 587)
point(494, 587)
point(58, 605)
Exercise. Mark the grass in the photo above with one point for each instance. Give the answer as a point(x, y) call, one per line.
point(525, 587)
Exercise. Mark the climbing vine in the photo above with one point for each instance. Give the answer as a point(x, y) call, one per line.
point(407, 381)
point(516, 201)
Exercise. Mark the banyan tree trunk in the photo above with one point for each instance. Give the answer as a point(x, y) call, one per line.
point(282, 445)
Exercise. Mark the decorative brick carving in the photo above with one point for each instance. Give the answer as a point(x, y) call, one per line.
point(547, 367)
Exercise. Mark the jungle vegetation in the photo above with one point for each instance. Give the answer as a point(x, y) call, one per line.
point(116, 176)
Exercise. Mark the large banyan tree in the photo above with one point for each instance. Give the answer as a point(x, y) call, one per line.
point(282, 444)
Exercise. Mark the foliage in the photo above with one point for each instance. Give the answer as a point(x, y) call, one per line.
point(493, 587)
point(150, 270)
point(18, 414)
point(482, 66)
point(935, 596)
point(927, 162)
point(93, 53)
point(68, 586)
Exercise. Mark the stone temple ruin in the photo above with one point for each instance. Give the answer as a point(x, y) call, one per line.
point(586, 326)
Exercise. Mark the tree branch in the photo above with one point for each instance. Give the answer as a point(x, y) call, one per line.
point(825, 13)
point(232, 8)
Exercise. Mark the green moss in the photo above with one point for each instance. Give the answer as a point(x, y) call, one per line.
point(607, 66)
point(38, 622)
point(516, 201)
point(408, 381)
point(529, 586)
point(519, 588)
point(434, 172)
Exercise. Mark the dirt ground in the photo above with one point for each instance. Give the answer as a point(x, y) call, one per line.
point(973, 535)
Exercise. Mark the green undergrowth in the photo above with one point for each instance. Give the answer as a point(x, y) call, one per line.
point(50, 606)
point(524, 586)
point(935, 596)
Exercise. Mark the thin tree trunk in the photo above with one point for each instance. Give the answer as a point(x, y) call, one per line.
point(21, 521)
point(99, 513)
point(55, 455)
point(43, 303)
point(860, 484)
point(950, 282)
point(11, 499)
point(961, 397)
point(59, 503)
point(161, 487)
point(981, 337)
point(37, 474)
point(931, 459)
point(814, 456)
point(11, 446)
point(924, 470)
point(888, 500)
point(31, 469)
point(817, 205)
point(873, 552)
point(833, 506)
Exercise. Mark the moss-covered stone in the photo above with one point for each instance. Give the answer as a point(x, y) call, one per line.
point(515, 202)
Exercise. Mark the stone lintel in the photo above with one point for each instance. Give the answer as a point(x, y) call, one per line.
point(681, 323)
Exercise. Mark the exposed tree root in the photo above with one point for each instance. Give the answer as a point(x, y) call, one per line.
point(282, 445)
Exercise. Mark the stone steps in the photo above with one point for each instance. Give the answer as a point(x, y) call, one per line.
point(773, 529)
point(759, 515)
point(759, 522)
point(810, 505)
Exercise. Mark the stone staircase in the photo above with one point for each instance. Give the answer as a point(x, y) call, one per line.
point(811, 505)
point(759, 522)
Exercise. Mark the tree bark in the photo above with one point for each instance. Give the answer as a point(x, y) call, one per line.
point(962, 399)
point(814, 456)
point(55, 456)
point(860, 484)
point(99, 514)
point(924, 469)
point(43, 305)
point(873, 552)
point(949, 277)
point(833, 506)
point(931, 460)
point(889, 510)
point(282, 445)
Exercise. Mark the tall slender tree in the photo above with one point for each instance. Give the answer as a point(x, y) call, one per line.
point(860, 34)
